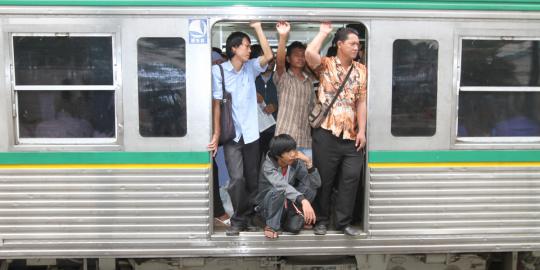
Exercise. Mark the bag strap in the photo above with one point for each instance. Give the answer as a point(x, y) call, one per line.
point(223, 91)
point(297, 210)
point(339, 90)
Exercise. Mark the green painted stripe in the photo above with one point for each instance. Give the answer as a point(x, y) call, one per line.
point(531, 5)
point(105, 158)
point(455, 156)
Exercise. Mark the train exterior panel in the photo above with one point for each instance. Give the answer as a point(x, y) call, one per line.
point(130, 195)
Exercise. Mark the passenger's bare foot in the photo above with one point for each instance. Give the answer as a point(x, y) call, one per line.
point(224, 220)
point(270, 233)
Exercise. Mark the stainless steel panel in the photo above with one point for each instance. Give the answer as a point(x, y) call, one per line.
point(423, 201)
point(96, 204)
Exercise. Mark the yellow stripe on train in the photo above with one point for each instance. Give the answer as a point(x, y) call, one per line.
point(105, 166)
point(453, 164)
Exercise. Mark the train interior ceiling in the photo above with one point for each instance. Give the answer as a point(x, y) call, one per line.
point(300, 31)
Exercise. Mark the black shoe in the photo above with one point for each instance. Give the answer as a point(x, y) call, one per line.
point(233, 231)
point(320, 229)
point(255, 223)
point(350, 231)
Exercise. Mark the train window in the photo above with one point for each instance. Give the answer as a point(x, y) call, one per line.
point(66, 114)
point(500, 63)
point(499, 89)
point(64, 87)
point(161, 64)
point(499, 114)
point(52, 60)
point(414, 87)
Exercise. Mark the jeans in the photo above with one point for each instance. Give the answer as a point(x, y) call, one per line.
point(274, 212)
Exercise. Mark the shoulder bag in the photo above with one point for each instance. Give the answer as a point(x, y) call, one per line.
point(226, 119)
point(320, 110)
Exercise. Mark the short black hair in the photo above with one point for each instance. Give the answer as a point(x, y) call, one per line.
point(295, 45)
point(233, 41)
point(281, 144)
point(332, 51)
point(256, 51)
point(218, 50)
point(342, 34)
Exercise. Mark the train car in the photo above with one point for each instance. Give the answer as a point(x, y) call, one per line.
point(106, 117)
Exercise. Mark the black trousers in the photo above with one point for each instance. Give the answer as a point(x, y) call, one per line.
point(218, 203)
point(339, 165)
point(242, 162)
point(264, 140)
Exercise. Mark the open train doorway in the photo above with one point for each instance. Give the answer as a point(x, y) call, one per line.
point(270, 101)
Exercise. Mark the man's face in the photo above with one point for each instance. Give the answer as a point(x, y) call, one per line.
point(349, 47)
point(243, 50)
point(289, 157)
point(297, 58)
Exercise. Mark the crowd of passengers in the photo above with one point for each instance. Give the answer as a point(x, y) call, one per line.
point(290, 187)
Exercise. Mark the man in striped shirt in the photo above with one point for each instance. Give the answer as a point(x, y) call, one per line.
point(295, 90)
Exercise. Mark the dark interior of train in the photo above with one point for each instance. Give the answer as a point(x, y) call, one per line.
point(303, 32)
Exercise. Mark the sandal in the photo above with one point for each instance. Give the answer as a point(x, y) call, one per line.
point(223, 220)
point(270, 233)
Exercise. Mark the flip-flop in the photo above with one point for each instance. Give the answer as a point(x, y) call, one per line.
point(225, 223)
point(268, 230)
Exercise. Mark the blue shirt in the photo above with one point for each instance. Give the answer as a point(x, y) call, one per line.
point(241, 85)
point(516, 126)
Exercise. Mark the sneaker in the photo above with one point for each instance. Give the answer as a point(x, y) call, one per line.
point(350, 231)
point(255, 223)
point(233, 230)
point(320, 229)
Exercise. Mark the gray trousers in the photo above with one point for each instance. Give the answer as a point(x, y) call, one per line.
point(274, 212)
point(242, 162)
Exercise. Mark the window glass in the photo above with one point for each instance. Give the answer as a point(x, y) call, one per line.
point(500, 63)
point(162, 87)
point(499, 114)
point(51, 60)
point(66, 114)
point(414, 87)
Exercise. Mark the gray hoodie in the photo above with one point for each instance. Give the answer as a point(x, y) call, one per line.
point(271, 177)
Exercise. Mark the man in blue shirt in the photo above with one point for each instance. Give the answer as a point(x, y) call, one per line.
point(242, 153)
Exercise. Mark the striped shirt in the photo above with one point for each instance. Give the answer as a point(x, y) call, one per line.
point(294, 104)
point(341, 118)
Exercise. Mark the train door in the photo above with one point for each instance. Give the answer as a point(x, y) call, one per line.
point(167, 112)
point(303, 32)
point(411, 79)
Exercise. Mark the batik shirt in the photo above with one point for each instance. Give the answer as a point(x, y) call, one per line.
point(341, 119)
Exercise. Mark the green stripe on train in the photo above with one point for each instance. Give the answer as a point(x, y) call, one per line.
point(454, 156)
point(373, 4)
point(27, 158)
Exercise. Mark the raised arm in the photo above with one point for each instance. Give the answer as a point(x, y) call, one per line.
point(267, 51)
point(313, 57)
point(283, 28)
